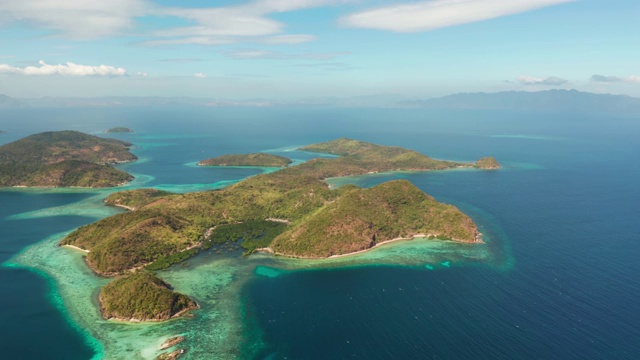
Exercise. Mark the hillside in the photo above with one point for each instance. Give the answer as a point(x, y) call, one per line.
point(257, 159)
point(64, 159)
point(168, 228)
point(142, 296)
point(362, 218)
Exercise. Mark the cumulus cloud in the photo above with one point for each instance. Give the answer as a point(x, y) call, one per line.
point(200, 75)
point(634, 79)
point(549, 81)
point(429, 15)
point(69, 69)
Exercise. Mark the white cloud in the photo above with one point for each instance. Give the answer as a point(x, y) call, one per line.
point(266, 54)
point(197, 40)
point(288, 39)
point(70, 69)
point(634, 79)
point(200, 75)
point(549, 81)
point(76, 19)
point(429, 15)
point(88, 19)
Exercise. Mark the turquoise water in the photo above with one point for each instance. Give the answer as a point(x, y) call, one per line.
point(555, 278)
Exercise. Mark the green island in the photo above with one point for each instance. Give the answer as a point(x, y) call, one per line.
point(142, 296)
point(488, 163)
point(119, 129)
point(257, 159)
point(64, 159)
point(291, 212)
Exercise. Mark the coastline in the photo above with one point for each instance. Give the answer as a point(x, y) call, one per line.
point(77, 248)
point(130, 208)
point(180, 314)
point(477, 240)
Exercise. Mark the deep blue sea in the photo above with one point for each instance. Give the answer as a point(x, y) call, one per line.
point(561, 219)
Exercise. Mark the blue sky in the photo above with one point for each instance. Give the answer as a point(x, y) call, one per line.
point(292, 49)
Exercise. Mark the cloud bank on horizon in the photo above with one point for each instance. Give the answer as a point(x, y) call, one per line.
point(319, 47)
point(64, 69)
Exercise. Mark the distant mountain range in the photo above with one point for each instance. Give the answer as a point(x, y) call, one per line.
point(550, 100)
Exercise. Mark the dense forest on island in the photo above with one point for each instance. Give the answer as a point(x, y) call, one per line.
point(64, 159)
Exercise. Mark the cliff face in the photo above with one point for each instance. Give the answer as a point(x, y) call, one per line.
point(64, 159)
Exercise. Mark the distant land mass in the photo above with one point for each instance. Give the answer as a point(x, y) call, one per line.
point(64, 159)
point(256, 159)
point(547, 100)
point(551, 100)
point(119, 129)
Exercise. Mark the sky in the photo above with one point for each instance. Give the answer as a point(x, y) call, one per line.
point(298, 49)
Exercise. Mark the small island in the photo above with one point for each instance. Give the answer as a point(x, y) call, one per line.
point(64, 159)
point(142, 296)
point(119, 129)
point(488, 163)
point(257, 159)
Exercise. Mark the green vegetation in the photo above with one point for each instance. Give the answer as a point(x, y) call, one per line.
point(135, 199)
point(363, 218)
point(257, 159)
point(488, 163)
point(119, 129)
point(142, 296)
point(254, 234)
point(358, 157)
point(164, 261)
point(310, 219)
point(64, 158)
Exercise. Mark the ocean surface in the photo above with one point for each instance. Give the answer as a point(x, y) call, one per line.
point(556, 279)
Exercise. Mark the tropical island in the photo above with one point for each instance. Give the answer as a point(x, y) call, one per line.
point(142, 296)
point(256, 159)
point(119, 129)
point(64, 159)
point(291, 212)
